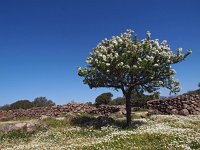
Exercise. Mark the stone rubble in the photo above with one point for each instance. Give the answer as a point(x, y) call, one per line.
point(186, 104)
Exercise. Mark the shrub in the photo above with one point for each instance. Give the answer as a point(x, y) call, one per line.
point(21, 104)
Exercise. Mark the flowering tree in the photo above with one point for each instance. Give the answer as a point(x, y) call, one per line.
point(125, 63)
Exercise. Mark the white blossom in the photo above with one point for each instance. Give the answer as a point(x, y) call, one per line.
point(130, 58)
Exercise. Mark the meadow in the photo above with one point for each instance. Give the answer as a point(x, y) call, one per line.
point(147, 133)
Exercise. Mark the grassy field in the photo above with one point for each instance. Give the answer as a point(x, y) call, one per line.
point(150, 133)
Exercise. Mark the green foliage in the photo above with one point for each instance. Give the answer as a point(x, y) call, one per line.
point(104, 98)
point(73, 102)
point(140, 99)
point(118, 101)
point(21, 104)
point(26, 104)
point(42, 102)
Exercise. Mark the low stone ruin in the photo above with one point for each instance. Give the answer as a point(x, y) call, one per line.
point(186, 104)
point(58, 111)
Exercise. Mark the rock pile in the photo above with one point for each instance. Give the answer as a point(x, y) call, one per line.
point(58, 111)
point(186, 104)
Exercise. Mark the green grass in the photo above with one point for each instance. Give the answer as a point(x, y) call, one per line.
point(54, 123)
point(15, 135)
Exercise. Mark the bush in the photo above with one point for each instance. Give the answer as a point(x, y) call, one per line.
point(42, 102)
point(104, 98)
point(21, 104)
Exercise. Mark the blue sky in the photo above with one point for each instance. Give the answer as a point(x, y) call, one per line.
point(42, 42)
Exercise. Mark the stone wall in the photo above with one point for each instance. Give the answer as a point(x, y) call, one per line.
point(186, 104)
point(58, 111)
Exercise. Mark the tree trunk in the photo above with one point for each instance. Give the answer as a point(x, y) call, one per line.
point(128, 109)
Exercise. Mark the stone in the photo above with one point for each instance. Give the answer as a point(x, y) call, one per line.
point(20, 125)
point(60, 118)
point(174, 111)
point(153, 112)
point(170, 107)
point(31, 127)
point(185, 106)
point(196, 113)
point(184, 112)
point(197, 109)
point(43, 117)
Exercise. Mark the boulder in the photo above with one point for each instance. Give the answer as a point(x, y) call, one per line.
point(184, 112)
point(153, 112)
point(21, 126)
point(174, 111)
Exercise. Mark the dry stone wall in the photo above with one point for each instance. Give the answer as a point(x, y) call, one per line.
point(58, 111)
point(186, 104)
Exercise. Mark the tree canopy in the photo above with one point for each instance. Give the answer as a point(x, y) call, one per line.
point(42, 102)
point(122, 63)
point(104, 98)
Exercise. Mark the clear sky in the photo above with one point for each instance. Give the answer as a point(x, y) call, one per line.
point(42, 42)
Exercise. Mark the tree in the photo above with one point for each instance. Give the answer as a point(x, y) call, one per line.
point(89, 103)
point(199, 85)
point(21, 104)
point(104, 98)
point(42, 102)
point(125, 63)
point(140, 99)
point(118, 101)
